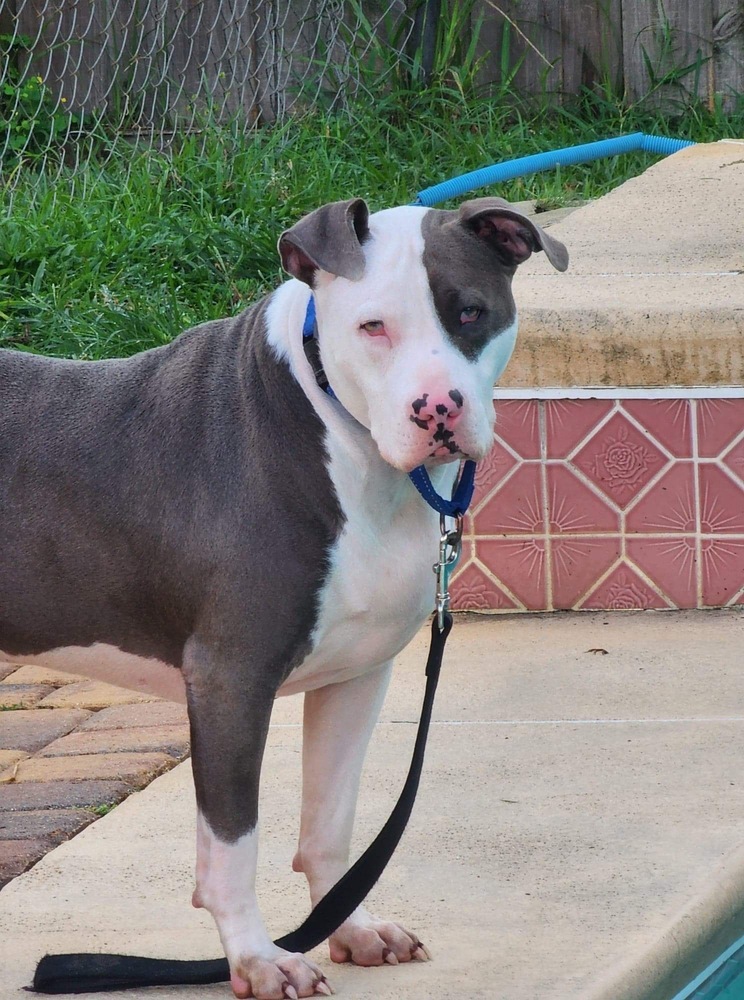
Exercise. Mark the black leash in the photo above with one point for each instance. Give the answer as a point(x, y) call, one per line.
point(90, 973)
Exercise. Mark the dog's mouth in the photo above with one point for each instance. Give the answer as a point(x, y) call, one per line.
point(446, 453)
point(440, 456)
point(432, 452)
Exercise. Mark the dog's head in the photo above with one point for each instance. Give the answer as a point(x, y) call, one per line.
point(416, 319)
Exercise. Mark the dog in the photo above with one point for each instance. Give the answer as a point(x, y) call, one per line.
point(204, 522)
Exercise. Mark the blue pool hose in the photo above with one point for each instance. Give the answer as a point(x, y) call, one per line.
point(499, 172)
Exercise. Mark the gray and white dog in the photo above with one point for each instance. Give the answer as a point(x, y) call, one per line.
point(203, 522)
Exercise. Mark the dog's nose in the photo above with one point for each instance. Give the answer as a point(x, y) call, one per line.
point(432, 409)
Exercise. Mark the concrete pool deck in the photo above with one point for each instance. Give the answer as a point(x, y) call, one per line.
point(579, 831)
point(654, 292)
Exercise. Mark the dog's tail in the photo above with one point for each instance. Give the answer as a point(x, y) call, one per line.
point(89, 973)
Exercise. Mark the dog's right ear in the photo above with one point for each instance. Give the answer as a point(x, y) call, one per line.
point(329, 238)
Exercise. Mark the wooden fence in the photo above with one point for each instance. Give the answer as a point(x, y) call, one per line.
point(637, 47)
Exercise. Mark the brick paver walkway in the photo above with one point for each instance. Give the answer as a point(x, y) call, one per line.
point(70, 749)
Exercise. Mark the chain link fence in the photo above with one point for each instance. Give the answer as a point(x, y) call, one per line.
point(79, 76)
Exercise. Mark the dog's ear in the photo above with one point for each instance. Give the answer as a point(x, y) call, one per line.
point(330, 238)
point(511, 234)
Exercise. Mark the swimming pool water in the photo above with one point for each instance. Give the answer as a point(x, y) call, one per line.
point(722, 980)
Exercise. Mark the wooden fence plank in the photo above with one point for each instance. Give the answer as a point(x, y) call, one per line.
point(592, 44)
point(76, 49)
point(578, 43)
point(728, 51)
point(7, 16)
point(662, 38)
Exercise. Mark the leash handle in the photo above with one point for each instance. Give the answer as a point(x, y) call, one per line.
point(93, 973)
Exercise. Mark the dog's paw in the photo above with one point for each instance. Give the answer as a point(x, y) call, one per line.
point(366, 940)
point(288, 976)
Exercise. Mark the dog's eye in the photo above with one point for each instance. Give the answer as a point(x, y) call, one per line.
point(469, 314)
point(375, 328)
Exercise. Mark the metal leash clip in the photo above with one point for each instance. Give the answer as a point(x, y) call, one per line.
point(450, 544)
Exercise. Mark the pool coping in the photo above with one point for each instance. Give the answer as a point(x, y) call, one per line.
point(709, 924)
point(620, 392)
point(654, 292)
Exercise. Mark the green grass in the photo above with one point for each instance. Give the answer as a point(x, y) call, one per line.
point(123, 257)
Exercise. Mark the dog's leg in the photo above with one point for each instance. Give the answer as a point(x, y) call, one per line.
point(229, 716)
point(338, 723)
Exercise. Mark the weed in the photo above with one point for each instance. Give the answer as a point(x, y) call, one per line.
point(33, 121)
point(668, 79)
point(105, 809)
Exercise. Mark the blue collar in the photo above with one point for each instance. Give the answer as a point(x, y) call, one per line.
point(463, 491)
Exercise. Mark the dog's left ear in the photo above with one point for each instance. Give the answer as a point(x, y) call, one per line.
point(511, 234)
point(329, 238)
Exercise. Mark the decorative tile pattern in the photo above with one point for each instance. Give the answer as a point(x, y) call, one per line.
point(624, 590)
point(668, 505)
point(734, 461)
point(608, 504)
point(515, 507)
point(620, 459)
point(476, 591)
point(569, 421)
point(576, 566)
point(522, 567)
point(574, 507)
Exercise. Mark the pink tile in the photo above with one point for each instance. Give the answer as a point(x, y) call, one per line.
point(719, 421)
point(735, 460)
point(669, 506)
point(671, 563)
point(576, 565)
point(668, 420)
point(723, 570)
point(473, 591)
point(515, 508)
point(721, 502)
point(573, 507)
point(490, 472)
point(568, 421)
point(517, 501)
point(520, 565)
point(620, 460)
point(518, 424)
point(623, 590)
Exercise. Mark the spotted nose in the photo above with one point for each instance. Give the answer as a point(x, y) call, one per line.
point(437, 411)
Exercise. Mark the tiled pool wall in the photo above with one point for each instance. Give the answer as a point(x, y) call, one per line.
point(608, 504)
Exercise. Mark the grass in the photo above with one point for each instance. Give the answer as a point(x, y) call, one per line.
point(123, 257)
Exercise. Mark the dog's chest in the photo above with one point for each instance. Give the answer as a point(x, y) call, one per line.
point(380, 586)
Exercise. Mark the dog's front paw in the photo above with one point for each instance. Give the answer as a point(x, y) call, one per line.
point(366, 940)
point(289, 975)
